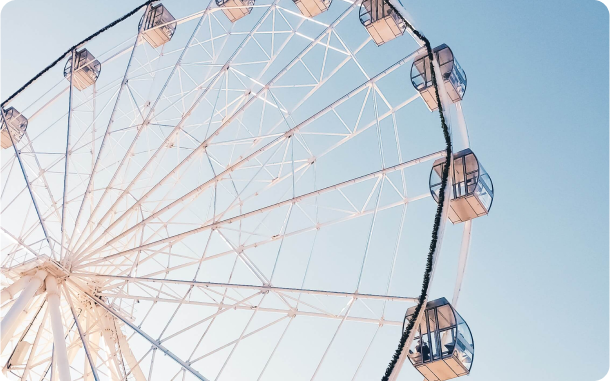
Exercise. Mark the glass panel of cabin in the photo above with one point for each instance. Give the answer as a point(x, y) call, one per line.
point(435, 348)
point(420, 73)
point(472, 172)
point(459, 188)
point(458, 79)
point(415, 349)
point(445, 60)
point(425, 348)
point(484, 190)
point(464, 345)
point(446, 318)
point(447, 341)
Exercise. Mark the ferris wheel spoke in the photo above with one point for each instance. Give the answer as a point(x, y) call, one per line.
point(148, 338)
point(266, 240)
point(31, 190)
point(264, 288)
point(31, 356)
point(106, 135)
point(263, 149)
point(178, 127)
point(41, 172)
point(243, 304)
point(279, 75)
point(19, 242)
point(71, 110)
point(216, 225)
point(150, 114)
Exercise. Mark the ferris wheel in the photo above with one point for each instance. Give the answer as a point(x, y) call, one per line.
point(238, 190)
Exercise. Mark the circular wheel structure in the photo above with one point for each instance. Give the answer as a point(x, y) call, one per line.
point(204, 199)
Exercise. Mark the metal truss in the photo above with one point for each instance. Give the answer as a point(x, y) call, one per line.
point(246, 199)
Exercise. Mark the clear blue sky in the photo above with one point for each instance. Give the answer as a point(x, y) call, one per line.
point(537, 112)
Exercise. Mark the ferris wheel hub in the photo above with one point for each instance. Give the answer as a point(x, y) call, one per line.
point(43, 262)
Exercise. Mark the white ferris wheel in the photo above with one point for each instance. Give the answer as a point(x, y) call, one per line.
point(237, 190)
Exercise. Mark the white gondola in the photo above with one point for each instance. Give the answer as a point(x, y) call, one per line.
point(381, 21)
point(17, 124)
point(157, 26)
point(86, 72)
point(312, 8)
point(235, 9)
point(472, 191)
point(451, 71)
point(442, 347)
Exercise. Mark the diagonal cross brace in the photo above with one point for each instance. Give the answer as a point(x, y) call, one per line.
point(155, 343)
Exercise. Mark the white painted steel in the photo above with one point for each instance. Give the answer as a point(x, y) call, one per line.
point(31, 356)
point(11, 319)
point(147, 337)
point(134, 367)
point(126, 279)
point(60, 352)
point(29, 186)
point(462, 125)
point(83, 340)
point(9, 292)
point(464, 250)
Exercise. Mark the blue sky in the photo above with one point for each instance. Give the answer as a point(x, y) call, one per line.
point(536, 289)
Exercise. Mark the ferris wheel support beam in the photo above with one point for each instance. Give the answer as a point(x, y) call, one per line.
point(82, 338)
point(59, 342)
point(132, 362)
point(8, 293)
point(93, 340)
point(28, 184)
point(154, 342)
point(24, 332)
point(39, 332)
point(11, 319)
point(107, 328)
